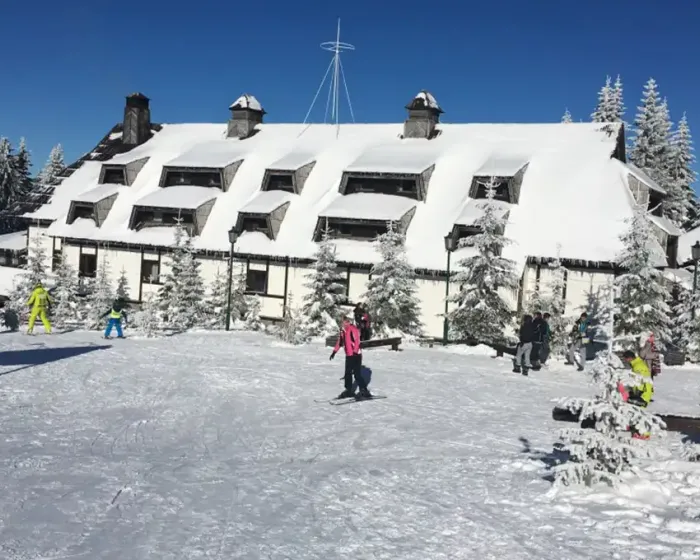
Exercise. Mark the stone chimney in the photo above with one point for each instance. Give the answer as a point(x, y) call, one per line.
point(137, 120)
point(423, 116)
point(246, 114)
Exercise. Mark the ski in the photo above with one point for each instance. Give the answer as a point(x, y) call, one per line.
point(336, 402)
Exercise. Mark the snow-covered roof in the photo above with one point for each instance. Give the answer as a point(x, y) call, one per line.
point(369, 206)
point(427, 99)
point(407, 156)
point(474, 209)
point(571, 182)
point(502, 165)
point(98, 193)
point(292, 161)
point(246, 101)
point(642, 176)
point(16, 241)
point(267, 201)
point(179, 197)
point(217, 154)
point(667, 225)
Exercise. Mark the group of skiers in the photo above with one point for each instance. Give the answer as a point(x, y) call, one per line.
point(40, 301)
point(533, 346)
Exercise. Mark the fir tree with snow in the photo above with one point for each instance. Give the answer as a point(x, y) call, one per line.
point(51, 172)
point(22, 166)
point(9, 187)
point(100, 297)
point(607, 450)
point(35, 274)
point(610, 107)
point(66, 309)
point(123, 286)
point(617, 101)
point(322, 302)
point(566, 118)
point(148, 318)
point(181, 297)
point(481, 310)
point(682, 175)
point(651, 148)
point(685, 323)
point(239, 300)
point(642, 294)
point(391, 290)
point(252, 320)
point(217, 302)
point(293, 328)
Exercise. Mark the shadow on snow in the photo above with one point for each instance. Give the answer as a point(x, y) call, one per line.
point(39, 356)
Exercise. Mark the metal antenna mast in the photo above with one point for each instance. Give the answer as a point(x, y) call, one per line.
point(333, 100)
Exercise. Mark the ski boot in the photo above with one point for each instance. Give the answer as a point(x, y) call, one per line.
point(347, 394)
point(363, 394)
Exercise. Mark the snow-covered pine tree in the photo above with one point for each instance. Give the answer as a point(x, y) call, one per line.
point(35, 273)
point(148, 318)
point(566, 118)
point(22, 165)
point(53, 168)
point(252, 321)
point(123, 286)
point(685, 323)
point(681, 173)
point(182, 295)
point(322, 302)
point(217, 302)
point(293, 327)
point(651, 149)
point(239, 301)
point(603, 453)
point(603, 112)
point(642, 294)
point(391, 291)
point(481, 311)
point(100, 297)
point(67, 305)
point(9, 185)
point(617, 101)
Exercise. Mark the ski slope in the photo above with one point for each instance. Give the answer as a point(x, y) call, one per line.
point(210, 445)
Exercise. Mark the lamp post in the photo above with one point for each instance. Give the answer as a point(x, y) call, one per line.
point(695, 254)
point(450, 245)
point(232, 237)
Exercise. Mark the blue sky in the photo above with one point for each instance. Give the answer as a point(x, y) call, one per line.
point(68, 65)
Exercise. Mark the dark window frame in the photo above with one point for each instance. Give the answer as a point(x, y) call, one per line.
point(396, 185)
point(259, 223)
point(280, 181)
point(209, 178)
point(87, 265)
point(348, 229)
point(108, 174)
point(502, 190)
point(256, 281)
point(147, 265)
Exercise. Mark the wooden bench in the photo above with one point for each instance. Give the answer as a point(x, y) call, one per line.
point(372, 343)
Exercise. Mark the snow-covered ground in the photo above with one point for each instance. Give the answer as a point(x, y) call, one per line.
point(212, 446)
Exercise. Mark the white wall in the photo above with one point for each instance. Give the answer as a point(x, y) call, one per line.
point(37, 232)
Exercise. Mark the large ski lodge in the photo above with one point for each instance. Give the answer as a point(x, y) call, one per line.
point(566, 189)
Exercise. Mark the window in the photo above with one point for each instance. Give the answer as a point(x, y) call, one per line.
point(654, 205)
point(672, 251)
point(254, 223)
point(640, 191)
point(114, 175)
point(256, 281)
point(186, 218)
point(280, 182)
point(399, 186)
point(88, 265)
point(357, 230)
point(150, 272)
point(502, 191)
point(193, 178)
point(465, 232)
point(85, 211)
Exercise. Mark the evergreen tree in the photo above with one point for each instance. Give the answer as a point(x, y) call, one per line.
point(604, 453)
point(681, 173)
point(252, 316)
point(603, 112)
point(22, 165)
point(567, 117)
point(293, 329)
point(182, 295)
point(8, 178)
point(123, 286)
point(148, 319)
point(67, 304)
point(641, 291)
point(239, 301)
point(50, 174)
point(35, 273)
point(481, 311)
point(325, 295)
point(685, 325)
point(217, 302)
point(651, 148)
point(617, 101)
point(100, 296)
point(391, 290)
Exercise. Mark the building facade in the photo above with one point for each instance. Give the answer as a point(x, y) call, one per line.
point(566, 190)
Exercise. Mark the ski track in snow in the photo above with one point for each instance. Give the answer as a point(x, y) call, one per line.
point(211, 446)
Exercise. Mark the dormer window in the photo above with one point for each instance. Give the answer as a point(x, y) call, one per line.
point(209, 178)
point(289, 174)
point(166, 207)
point(346, 228)
point(276, 181)
point(82, 210)
point(93, 205)
point(506, 172)
point(501, 188)
point(154, 217)
point(398, 185)
point(115, 175)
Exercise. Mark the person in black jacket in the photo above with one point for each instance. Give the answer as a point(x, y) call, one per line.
point(522, 354)
point(539, 329)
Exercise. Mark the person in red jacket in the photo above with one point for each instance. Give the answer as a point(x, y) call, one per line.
point(349, 339)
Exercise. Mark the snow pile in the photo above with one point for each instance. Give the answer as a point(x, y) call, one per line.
point(179, 197)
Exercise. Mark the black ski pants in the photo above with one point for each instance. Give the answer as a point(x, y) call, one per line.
point(353, 364)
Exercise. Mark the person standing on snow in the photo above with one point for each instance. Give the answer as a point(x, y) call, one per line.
point(522, 354)
point(39, 301)
point(544, 353)
point(539, 328)
point(579, 341)
point(115, 318)
point(349, 339)
point(650, 354)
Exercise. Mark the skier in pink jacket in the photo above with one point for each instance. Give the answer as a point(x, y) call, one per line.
point(349, 338)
